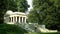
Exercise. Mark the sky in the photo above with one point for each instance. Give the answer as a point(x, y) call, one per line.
point(29, 3)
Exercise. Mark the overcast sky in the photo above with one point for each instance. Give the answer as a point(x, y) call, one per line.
point(30, 3)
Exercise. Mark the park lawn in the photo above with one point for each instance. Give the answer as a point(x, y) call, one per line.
point(43, 33)
point(51, 33)
point(11, 29)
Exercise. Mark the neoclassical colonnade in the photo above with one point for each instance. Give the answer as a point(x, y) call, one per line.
point(17, 19)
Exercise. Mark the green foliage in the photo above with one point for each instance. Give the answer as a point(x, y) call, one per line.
point(14, 5)
point(11, 29)
point(49, 12)
point(22, 5)
point(33, 15)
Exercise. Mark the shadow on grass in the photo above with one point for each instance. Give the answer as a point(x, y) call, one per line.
point(11, 29)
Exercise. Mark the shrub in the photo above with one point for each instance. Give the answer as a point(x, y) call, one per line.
point(11, 29)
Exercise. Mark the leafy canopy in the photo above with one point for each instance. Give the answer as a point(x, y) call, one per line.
point(47, 12)
point(14, 5)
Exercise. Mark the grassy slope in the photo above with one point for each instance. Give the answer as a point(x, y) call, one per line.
point(44, 33)
point(11, 29)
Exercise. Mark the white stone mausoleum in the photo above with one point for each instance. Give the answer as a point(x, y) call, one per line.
point(14, 17)
point(20, 18)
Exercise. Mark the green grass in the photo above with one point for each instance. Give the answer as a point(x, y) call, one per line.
point(11, 29)
point(43, 33)
point(51, 33)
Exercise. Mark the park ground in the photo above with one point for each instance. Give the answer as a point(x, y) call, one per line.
point(13, 29)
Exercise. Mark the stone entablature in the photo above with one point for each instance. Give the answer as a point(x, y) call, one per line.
point(15, 17)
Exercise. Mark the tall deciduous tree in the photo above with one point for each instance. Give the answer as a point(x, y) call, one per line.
point(22, 5)
point(12, 5)
point(48, 13)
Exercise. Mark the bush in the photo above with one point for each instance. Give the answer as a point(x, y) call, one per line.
point(11, 29)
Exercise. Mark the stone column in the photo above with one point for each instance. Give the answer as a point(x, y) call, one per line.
point(11, 19)
point(22, 19)
point(19, 19)
point(16, 18)
point(25, 19)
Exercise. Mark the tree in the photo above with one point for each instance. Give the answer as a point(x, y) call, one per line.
point(12, 5)
point(32, 17)
point(17, 5)
point(22, 5)
point(49, 11)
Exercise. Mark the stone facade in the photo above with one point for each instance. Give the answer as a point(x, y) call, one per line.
point(19, 18)
point(14, 17)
